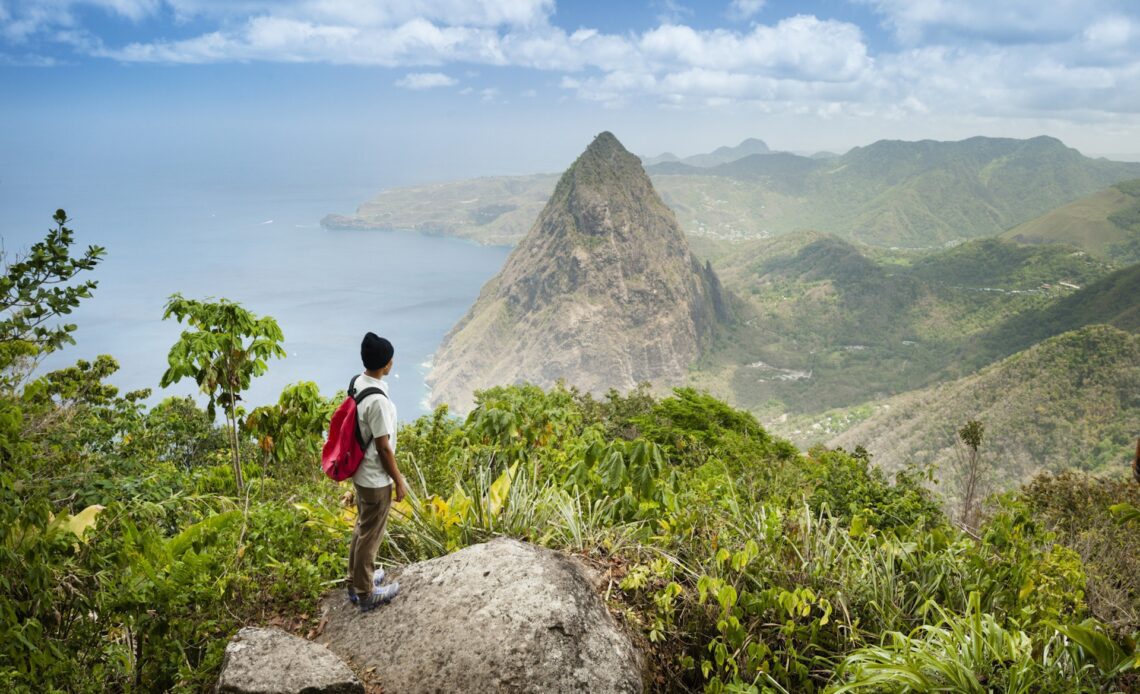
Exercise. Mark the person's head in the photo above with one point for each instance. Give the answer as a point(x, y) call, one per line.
point(376, 352)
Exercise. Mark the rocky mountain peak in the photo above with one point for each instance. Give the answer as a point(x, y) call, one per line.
point(603, 292)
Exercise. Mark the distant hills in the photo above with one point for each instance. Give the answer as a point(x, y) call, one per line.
point(602, 293)
point(894, 193)
point(721, 155)
point(496, 210)
point(890, 193)
point(1106, 224)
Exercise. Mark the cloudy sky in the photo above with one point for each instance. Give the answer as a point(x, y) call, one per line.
point(383, 93)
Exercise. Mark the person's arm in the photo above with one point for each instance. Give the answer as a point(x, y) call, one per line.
point(388, 462)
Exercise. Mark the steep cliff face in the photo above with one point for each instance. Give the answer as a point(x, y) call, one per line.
point(602, 292)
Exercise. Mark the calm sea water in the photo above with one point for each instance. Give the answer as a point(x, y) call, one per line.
point(267, 251)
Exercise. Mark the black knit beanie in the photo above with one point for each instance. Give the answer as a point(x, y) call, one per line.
point(375, 352)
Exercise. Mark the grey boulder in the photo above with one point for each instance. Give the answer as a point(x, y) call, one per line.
point(503, 616)
point(271, 661)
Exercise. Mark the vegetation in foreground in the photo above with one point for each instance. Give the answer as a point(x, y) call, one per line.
point(740, 563)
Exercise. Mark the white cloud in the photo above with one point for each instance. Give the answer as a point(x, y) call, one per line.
point(425, 80)
point(745, 9)
point(962, 56)
point(1111, 32)
point(672, 11)
point(27, 61)
point(371, 13)
point(1003, 22)
point(19, 21)
point(802, 46)
point(273, 39)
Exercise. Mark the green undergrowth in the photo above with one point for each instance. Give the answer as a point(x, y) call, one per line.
point(128, 556)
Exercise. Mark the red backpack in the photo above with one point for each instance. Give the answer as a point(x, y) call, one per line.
point(345, 448)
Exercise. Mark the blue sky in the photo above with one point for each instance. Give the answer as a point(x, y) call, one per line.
point(371, 94)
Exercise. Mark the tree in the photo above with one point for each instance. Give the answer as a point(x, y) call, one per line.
point(34, 289)
point(971, 473)
point(227, 348)
point(292, 430)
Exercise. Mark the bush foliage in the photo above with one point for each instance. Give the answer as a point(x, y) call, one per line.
point(128, 557)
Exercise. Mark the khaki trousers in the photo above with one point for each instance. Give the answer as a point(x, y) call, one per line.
point(372, 505)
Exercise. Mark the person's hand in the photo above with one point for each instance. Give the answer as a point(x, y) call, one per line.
point(401, 489)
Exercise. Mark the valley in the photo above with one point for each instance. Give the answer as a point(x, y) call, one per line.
point(858, 283)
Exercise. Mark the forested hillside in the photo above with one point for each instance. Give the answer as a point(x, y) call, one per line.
point(1069, 402)
point(136, 540)
point(836, 324)
point(1106, 224)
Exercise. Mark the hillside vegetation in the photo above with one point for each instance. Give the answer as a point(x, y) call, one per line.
point(1071, 402)
point(835, 324)
point(131, 549)
point(1106, 224)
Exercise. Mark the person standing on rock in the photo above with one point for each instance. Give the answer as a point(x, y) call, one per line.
point(377, 480)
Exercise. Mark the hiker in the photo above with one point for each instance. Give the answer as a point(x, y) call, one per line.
point(377, 480)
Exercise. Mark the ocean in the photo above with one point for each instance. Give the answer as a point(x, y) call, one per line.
point(266, 250)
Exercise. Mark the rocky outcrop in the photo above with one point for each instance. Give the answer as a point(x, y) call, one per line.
point(603, 292)
point(503, 616)
point(271, 661)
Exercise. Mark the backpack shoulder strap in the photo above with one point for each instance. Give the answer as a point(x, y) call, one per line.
point(352, 386)
point(359, 397)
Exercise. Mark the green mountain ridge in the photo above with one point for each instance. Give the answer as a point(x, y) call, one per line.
point(1113, 299)
point(1070, 401)
point(1106, 224)
point(836, 324)
point(889, 193)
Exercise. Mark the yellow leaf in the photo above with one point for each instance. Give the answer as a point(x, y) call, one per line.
point(460, 504)
point(440, 510)
point(1026, 589)
point(82, 521)
point(499, 490)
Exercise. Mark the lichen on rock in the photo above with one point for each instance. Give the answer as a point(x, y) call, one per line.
point(271, 661)
point(503, 616)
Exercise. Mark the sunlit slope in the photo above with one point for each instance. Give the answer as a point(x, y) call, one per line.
point(1106, 224)
point(912, 194)
point(603, 292)
point(834, 324)
point(1071, 401)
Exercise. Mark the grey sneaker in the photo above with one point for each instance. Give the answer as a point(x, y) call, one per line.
point(377, 579)
point(381, 596)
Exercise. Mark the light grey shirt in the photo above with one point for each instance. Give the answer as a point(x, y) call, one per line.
point(377, 415)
